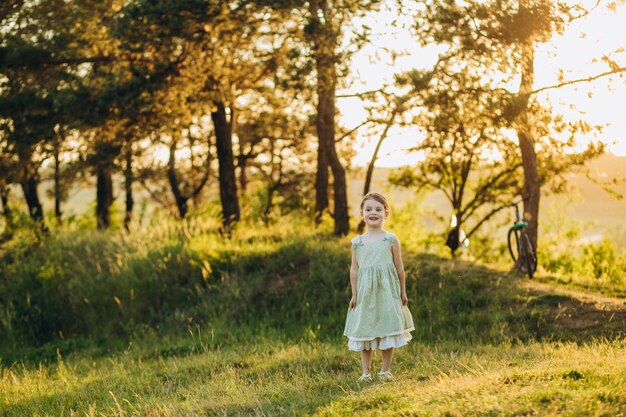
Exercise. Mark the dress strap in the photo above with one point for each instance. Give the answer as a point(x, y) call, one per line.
point(356, 241)
point(391, 237)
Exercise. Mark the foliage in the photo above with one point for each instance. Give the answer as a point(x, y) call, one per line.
point(571, 254)
point(115, 88)
point(598, 265)
point(467, 152)
point(495, 41)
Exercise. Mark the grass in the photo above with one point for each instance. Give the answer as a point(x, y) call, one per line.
point(485, 380)
point(183, 322)
point(584, 283)
point(282, 377)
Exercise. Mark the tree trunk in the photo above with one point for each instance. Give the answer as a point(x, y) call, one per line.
point(532, 180)
point(321, 182)
point(321, 176)
point(179, 198)
point(57, 181)
point(227, 179)
point(243, 178)
point(128, 185)
point(342, 220)
point(325, 39)
point(532, 186)
point(104, 196)
point(29, 180)
point(326, 133)
point(7, 214)
point(4, 199)
point(29, 187)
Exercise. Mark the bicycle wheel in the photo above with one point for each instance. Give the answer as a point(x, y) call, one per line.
point(529, 257)
point(513, 240)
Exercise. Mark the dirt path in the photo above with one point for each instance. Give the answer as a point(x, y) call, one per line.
point(573, 314)
point(600, 301)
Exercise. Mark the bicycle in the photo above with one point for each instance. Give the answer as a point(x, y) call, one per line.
point(520, 246)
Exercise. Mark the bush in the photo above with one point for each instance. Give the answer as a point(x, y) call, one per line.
point(600, 265)
point(603, 262)
point(77, 283)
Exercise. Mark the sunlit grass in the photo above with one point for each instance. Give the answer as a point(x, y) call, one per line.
point(533, 379)
point(267, 377)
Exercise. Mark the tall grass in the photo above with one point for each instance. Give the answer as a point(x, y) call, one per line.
point(169, 278)
point(288, 278)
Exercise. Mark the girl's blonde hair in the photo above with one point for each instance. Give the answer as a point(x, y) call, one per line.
point(376, 197)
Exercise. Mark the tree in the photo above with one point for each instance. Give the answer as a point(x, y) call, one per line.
point(273, 140)
point(498, 39)
point(27, 114)
point(385, 110)
point(26, 123)
point(222, 51)
point(44, 63)
point(327, 19)
point(325, 23)
point(467, 154)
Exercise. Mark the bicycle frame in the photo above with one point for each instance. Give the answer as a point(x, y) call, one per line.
point(522, 250)
point(519, 222)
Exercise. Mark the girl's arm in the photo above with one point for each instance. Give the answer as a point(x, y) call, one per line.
point(397, 260)
point(354, 269)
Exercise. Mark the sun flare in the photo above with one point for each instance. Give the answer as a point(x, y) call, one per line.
point(575, 54)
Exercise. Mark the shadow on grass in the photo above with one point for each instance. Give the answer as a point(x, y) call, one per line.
point(568, 317)
point(457, 300)
point(301, 290)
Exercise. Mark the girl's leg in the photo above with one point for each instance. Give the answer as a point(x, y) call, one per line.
point(366, 361)
point(387, 357)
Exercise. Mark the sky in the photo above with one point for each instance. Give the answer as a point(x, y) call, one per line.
point(600, 102)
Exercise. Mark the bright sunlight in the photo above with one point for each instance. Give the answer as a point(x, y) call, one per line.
point(574, 54)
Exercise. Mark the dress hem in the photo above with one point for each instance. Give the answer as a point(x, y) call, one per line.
point(380, 343)
point(370, 338)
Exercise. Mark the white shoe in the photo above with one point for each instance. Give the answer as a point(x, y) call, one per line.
point(385, 376)
point(365, 378)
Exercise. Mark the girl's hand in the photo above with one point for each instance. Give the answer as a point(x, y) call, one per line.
point(353, 302)
point(404, 299)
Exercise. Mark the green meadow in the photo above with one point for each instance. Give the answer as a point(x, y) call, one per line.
point(162, 163)
point(177, 320)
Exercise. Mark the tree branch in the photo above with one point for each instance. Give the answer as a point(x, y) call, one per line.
point(205, 177)
point(471, 207)
point(353, 130)
point(156, 197)
point(360, 95)
point(484, 219)
point(617, 70)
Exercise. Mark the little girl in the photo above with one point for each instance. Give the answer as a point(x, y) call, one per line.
point(378, 317)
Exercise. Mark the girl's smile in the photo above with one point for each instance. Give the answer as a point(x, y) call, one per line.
point(373, 212)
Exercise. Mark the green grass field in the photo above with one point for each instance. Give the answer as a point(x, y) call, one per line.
point(178, 321)
point(269, 377)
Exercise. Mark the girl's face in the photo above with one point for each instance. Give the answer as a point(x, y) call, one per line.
point(373, 213)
